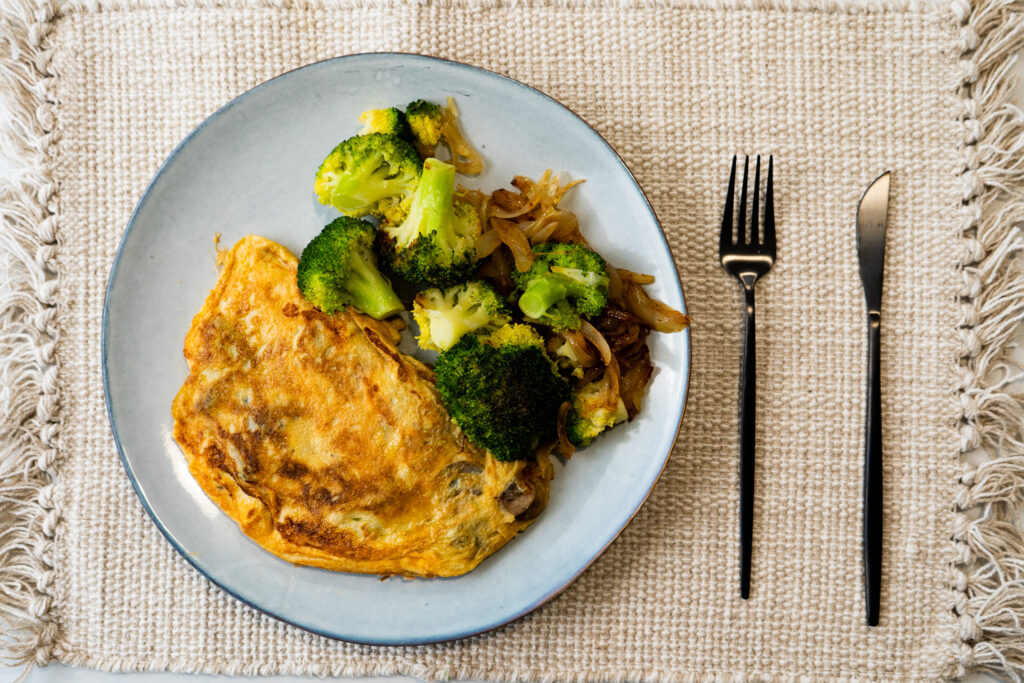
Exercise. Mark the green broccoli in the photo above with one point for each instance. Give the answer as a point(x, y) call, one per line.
point(589, 415)
point(425, 119)
point(444, 316)
point(391, 121)
point(565, 282)
point(338, 268)
point(436, 243)
point(502, 390)
point(374, 174)
point(517, 334)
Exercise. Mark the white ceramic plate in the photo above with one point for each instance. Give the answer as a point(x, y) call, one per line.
point(249, 169)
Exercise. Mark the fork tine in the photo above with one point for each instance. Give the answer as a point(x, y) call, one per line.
point(753, 205)
point(741, 225)
point(769, 213)
point(725, 238)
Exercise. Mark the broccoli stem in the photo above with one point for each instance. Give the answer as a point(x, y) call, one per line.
point(360, 188)
point(540, 295)
point(435, 194)
point(445, 330)
point(431, 204)
point(370, 290)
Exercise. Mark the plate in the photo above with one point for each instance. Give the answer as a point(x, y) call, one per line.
point(249, 169)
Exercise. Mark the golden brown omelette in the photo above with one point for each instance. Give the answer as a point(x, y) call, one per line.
point(327, 445)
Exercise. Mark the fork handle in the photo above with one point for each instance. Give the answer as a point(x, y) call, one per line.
point(748, 402)
point(873, 474)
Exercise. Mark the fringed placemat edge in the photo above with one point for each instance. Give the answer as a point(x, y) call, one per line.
point(987, 575)
point(56, 8)
point(29, 402)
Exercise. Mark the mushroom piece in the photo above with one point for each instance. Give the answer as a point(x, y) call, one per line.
point(515, 500)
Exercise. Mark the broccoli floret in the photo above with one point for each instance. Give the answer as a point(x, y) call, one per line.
point(517, 334)
point(444, 316)
point(373, 174)
point(436, 243)
point(338, 268)
point(432, 124)
point(425, 119)
point(502, 394)
point(589, 415)
point(567, 282)
point(391, 121)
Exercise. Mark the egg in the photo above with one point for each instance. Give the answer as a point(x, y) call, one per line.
point(327, 445)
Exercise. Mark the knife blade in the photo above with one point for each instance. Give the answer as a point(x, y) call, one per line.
point(871, 221)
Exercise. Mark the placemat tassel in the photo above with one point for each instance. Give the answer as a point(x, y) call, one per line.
point(28, 374)
point(988, 572)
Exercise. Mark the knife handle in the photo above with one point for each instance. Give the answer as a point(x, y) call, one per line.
point(748, 421)
point(873, 474)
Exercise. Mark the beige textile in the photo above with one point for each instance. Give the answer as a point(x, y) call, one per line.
point(837, 92)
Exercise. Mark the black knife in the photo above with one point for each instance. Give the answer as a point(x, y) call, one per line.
point(871, 216)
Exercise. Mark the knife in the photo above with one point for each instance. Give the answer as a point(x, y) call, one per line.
point(871, 215)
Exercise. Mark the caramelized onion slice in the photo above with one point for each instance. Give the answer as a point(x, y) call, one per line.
point(510, 205)
point(611, 377)
point(568, 229)
point(612, 315)
point(654, 313)
point(564, 445)
point(498, 270)
point(593, 336)
point(531, 228)
point(639, 278)
point(536, 197)
point(616, 288)
point(589, 376)
point(561, 190)
point(513, 237)
point(545, 233)
point(488, 242)
point(611, 374)
point(580, 348)
point(634, 383)
point(508, 201)
point(465, 158)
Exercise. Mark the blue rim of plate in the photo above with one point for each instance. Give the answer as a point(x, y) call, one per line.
point(106, 378)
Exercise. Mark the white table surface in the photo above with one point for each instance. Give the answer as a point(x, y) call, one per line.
point(58, 673)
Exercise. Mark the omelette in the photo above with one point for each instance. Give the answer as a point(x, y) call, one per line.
point(327, 445)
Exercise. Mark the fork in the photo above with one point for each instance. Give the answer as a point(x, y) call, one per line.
point(747, 256)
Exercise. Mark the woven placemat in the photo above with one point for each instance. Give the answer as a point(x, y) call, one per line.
point(838, 91)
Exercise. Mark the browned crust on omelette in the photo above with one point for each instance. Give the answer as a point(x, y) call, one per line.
point(327, 445)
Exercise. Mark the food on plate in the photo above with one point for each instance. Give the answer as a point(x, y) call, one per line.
point(328, 446)
point(594, 318)
point(502, 390)
point(436, 242)
point(444, 316)
point(564, 284)
point(374, 175)
point(338, 268)
point(591, 413)
point(425, 120)
point(432, 125)
point(391, 121)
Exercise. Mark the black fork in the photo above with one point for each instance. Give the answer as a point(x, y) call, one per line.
point(747, 255)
